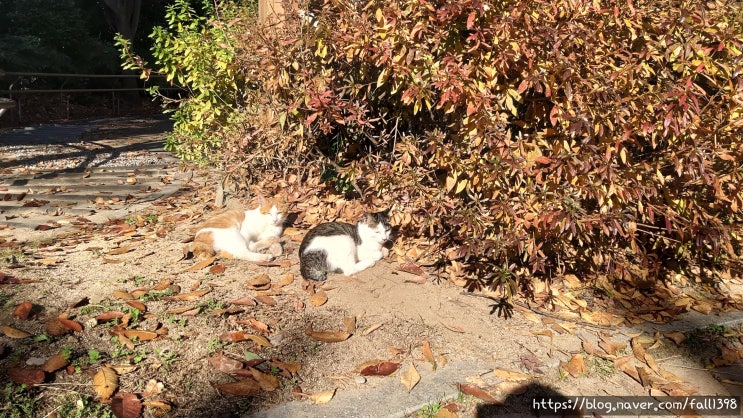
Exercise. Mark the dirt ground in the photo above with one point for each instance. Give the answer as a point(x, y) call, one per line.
point(207, 326)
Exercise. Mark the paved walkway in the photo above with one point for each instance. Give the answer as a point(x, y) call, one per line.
point(54, 174)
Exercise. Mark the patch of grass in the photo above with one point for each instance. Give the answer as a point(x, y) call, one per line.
point(430, 410)
point(715, 329)
point(17, 402)
point(156, 295)
point(84, 407)
point(215, 345)
point(602, 367)
point(211, 304)
point(11, 256)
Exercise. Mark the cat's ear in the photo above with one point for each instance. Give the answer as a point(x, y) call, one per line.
point(385, 213)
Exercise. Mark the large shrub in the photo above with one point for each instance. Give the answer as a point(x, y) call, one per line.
point(536, 137)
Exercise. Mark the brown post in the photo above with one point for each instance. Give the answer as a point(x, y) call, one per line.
point(271, 12)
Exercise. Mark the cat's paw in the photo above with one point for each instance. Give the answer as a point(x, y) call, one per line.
point(275, 249)
point(264, 257)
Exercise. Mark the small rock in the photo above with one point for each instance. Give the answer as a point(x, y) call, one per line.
point(359, 380)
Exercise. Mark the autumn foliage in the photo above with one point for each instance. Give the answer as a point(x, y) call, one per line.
point(516, 138)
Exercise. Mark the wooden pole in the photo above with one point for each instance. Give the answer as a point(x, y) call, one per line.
point(271, 12)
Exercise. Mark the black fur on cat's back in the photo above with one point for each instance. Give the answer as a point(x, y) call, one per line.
point(313, 265)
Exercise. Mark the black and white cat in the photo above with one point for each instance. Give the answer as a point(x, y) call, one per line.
point(339, 247)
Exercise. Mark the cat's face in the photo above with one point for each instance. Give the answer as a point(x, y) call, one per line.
point(378, 224)
point(275, 209)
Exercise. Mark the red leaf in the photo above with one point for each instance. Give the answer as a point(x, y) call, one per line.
point(378, 368)
point(126, 405)
point(23, 311)
point(26, 375)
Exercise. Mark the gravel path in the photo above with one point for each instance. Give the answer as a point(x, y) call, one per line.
point(103, 169)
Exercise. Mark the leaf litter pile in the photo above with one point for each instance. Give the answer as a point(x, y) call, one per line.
point(115, 313)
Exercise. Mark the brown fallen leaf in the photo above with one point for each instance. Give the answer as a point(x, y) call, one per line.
point(191, 295)
point(255, 324)
point(576, 366)
point(428, 354)
point(152, 388)
point(378, 368)
point(137, 305)
point(477, 392)
point(265, 299)
point(260, 282)
point(237, 336)
point(321, 397)
point(245, 387)
point(412, 268)
point(267, 382)
point(54, 363)
point(162, 285)
point(225, 364)
point(410, 378)
point(121, 250)
point(126, 405)
point(26, 375)
point(637, 349)
point(218, 268)
point(201, 264)
point(676, 336)
point(105, 382)
point(120, 294)
point(244, 301)
point(56, 327)
point(14, 333)
point(23, 311)
point(288, 366)
point(164, 406)
point(326, 336)
point(349, 323)
point(286, 280)
point(139, 334)
point(319, 298)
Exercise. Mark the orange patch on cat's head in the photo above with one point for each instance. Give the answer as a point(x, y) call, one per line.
point(279, 201)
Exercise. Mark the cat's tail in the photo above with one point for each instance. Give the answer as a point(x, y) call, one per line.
point(201, 249)
point(312, 266)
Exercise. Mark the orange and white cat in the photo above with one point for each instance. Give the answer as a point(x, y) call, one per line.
point(241, 234)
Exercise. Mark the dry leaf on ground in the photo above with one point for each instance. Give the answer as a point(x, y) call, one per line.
point(319, 298)
point(267, 382)
point(245, 387)
point(410, 378)
point(54, 363)
point(105, 382)
point(201, 264)
point(477, 392)
point(23, 311)
point(26, 375)
point(191, 295)
point(126, 405)
point(576, 366)
point(322, 397)
point(327, 336)
point(15, 333)
point(378, 368)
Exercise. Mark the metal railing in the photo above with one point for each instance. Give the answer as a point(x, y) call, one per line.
point(19, 88)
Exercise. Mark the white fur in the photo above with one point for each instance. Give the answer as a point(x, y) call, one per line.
point(342, 253)
point(258, 231)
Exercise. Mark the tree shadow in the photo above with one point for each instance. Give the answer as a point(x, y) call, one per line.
point(87, 141)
